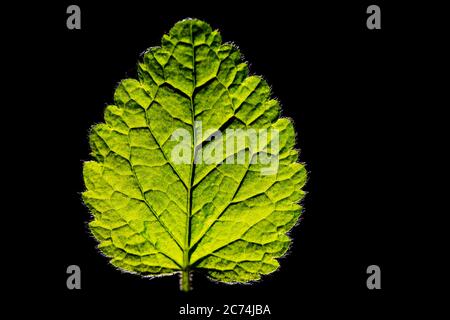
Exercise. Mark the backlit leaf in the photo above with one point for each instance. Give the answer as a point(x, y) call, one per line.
point(194, 169)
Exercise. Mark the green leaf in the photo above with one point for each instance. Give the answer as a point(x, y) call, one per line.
point(178, 182)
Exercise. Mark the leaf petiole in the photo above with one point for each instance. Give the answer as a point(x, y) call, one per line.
point(185, 281)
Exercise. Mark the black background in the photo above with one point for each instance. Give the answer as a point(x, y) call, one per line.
point(342, 84)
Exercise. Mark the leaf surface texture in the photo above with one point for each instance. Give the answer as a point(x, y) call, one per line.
point(155, 216)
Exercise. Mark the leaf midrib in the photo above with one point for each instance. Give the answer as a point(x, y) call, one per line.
point(186, 249)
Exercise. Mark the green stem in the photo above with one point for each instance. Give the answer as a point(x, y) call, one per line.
point(185, 280)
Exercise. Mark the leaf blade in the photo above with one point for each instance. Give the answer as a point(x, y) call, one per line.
point(154, 215)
